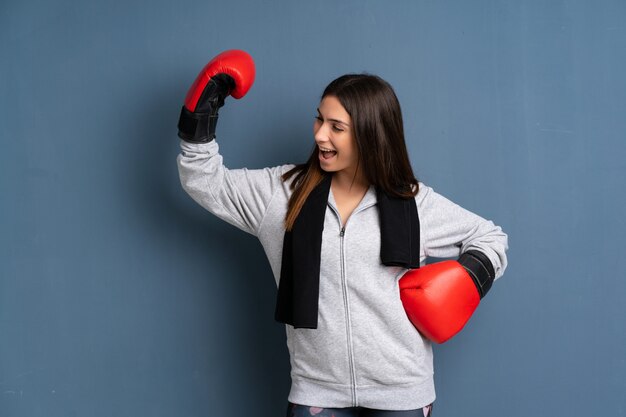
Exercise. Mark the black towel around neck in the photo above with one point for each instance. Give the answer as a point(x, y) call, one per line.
point(298, 290)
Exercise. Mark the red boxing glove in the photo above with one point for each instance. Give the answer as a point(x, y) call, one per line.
point(229, 73)
point(440, 298)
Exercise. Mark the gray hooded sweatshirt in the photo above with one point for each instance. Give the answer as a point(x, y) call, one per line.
point(365, 351)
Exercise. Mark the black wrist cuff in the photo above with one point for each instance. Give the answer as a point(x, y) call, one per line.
point(196, 127)
point(478, 265)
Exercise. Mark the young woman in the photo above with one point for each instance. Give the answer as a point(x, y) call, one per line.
point(339, 231)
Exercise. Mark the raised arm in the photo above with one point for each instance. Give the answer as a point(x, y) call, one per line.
point(239, 196)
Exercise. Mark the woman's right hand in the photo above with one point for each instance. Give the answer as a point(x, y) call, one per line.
point(229, 73)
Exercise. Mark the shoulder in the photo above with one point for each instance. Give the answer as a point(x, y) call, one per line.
point(423, 193)
point(274, 175)
point(430, 201)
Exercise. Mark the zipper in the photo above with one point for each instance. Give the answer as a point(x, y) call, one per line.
point(344, 287)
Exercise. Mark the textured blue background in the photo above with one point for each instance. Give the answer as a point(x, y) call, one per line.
point(119, 296)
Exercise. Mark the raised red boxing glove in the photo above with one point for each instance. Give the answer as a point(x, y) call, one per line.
point(440, 298)
point(229, 73)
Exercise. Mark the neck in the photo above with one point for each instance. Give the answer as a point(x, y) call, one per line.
point(348, 182)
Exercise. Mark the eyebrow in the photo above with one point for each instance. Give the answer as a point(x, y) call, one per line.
point(333, 120)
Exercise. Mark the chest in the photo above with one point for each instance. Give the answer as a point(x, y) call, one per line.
point(345, 205)
point(358, 235)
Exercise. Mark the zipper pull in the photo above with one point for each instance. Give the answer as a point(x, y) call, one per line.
point(343, 231)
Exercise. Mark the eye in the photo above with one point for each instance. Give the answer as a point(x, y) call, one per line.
point(335, 127)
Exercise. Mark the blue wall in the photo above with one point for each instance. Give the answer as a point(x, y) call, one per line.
point(119, 296)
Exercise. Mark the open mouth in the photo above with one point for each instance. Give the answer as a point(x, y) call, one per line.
point(327, 153)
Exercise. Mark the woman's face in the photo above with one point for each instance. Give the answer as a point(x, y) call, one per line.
point(334, 136)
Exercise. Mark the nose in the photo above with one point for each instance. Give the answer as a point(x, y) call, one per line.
point(320, 132)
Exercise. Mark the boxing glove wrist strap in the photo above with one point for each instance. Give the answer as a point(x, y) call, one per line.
point(479, 267)
point(198, 126)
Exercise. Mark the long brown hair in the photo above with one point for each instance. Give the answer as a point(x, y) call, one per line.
point(378, 129)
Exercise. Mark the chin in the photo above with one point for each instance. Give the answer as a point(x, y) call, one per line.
point(328, 169)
